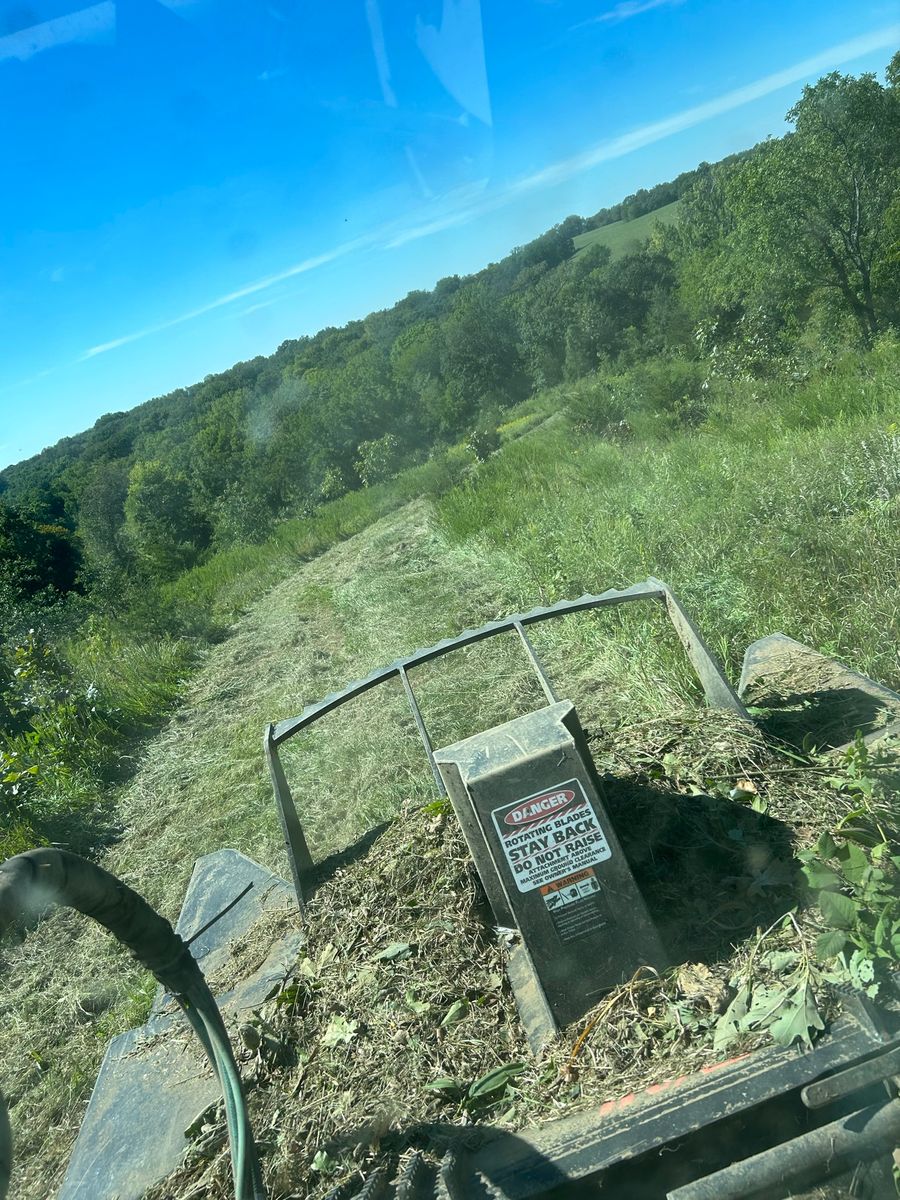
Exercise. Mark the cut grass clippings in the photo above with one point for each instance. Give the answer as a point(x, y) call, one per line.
point(401, 983)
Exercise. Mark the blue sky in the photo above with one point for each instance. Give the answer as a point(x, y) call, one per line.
point(187, 183)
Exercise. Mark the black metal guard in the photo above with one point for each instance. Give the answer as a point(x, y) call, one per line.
point(718, 691)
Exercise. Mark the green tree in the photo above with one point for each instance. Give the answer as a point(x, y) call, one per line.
point(810, 208)
point(161, 520)
point(101, 514)
point(379, 459)
point(415, 361)
point(480, 358)
point(346, 406)
point(543, 314)
point(36, 559)
point(217, 448)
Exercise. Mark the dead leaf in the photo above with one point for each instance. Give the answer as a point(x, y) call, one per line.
point(697, 982)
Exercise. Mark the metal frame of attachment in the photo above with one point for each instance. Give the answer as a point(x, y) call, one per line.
point(718, 691)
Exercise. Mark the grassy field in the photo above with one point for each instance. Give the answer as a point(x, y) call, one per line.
point(780, 510)
point(622, 236)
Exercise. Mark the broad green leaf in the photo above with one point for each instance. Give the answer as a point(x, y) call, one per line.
point(862, 973)
point(780, 961)
point(444, 1085)
point(826, 846)
point(420, 1007)
point(289, 995)
point(871, 885)
point(882, 929)
point(764, 1006)
point(797, 1019)
point(818, 876)
point(830, 943)
point(727, 1026)
point(339, 1030)
point(495, 1080)
point(395, 952)
point(861, 830)
point(854, 862)
point(838, 910)
point(848, 818)
point(455, 1013)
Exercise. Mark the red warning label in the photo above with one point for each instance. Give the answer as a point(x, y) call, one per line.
point(551, 836)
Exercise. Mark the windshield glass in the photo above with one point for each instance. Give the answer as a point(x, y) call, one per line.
point(537, 362)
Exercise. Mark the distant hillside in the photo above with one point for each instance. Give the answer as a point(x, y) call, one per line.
point(158, 488)
point(621, 227)
point(622, 236)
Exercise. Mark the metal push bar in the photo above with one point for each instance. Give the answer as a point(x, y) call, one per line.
point(718, 691)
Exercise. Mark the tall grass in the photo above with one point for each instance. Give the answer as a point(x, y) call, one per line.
point(780, 511)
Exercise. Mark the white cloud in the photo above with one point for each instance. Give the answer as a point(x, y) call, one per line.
point(308, 264)
point(94, 24)
point(262, 304)
point(627, 9)
point(476, 201)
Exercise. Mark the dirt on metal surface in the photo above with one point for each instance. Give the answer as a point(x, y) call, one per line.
point(811, 700)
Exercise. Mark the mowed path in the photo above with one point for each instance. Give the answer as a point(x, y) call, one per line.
point(200, 785)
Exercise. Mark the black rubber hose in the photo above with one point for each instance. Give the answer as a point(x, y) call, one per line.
point(33, 882)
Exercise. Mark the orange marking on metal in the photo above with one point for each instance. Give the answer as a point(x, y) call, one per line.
point(727, 1062)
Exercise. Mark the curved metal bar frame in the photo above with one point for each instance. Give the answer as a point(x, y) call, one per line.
point(717, 689)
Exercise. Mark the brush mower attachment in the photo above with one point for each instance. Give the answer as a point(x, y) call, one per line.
point(531, 807)
point(530, 804)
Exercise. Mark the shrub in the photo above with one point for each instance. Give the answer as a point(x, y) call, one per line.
point(676, 387)
point(334, 485)
point(241, 516)
point(379, 460)
point(600, 402)
point(52, 727)
point(483, 441)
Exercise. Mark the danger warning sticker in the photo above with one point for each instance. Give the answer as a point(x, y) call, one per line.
point(550, 835)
